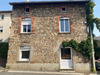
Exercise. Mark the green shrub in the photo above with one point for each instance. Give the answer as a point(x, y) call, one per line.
point(3, 50)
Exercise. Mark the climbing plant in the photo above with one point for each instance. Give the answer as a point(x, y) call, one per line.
point(84, 47)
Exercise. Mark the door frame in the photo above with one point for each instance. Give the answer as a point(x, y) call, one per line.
point(71, 57)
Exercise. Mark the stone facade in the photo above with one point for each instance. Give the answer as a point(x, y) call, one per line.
point(45, 39)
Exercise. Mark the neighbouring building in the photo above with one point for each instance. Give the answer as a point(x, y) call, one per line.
point(97, 40)
point(5, 23)
point(38, 30)
point(97, 47)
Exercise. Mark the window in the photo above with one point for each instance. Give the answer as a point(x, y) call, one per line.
point(27, 10)
point(0, 40)
point(26, 25)
point(65, 53)
point(2, 16)
point(64, 24)
point(1, 29)
point(24, 53)
point(63, 9)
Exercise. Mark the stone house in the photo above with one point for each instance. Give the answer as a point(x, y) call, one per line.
point(5, 23)
point(38, 30)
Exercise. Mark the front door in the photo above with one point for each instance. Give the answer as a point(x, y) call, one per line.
point(66, 58)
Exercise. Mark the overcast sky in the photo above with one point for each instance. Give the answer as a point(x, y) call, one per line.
point(4, 6)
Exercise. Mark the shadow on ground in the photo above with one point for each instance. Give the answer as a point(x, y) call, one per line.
point(98, 72)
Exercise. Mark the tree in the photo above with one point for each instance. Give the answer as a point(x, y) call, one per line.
point(90, 24)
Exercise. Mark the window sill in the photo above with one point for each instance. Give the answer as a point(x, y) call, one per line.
point(64, 32)
point(26, 33)
point(22, 61)
point(1, 19)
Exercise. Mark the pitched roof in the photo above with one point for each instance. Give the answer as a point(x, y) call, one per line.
point(35, 2)
point(97, 38)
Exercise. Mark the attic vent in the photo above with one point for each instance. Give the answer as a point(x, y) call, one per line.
point(63, 9)
point(27, 10)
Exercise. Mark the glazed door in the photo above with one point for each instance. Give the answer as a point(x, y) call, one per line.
point(66, 58)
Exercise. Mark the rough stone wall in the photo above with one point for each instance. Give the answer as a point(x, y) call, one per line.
point(46, 40)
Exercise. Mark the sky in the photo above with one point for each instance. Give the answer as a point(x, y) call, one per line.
point(4, 6)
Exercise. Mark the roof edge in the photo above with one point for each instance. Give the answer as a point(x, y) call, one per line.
point(5, 11)
point(35, 2)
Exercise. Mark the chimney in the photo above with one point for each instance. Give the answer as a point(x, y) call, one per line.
point(27, 0)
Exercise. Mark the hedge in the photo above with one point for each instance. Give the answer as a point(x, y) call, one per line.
point(3, 49)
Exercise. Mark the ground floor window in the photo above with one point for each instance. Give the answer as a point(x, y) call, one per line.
point(24, 53)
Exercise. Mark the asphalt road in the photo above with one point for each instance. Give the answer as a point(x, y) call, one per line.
point(10, 73)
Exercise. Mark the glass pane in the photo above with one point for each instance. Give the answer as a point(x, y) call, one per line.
point(2, 17)
point(29, 28)
point(25, 54)
point(66, 25)
point(1, 28)
point(65, 53)
point(24, 28)
point(62, 25)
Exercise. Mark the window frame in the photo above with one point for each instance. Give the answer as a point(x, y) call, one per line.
point(64, 18)
point(25, 19)
point(2, 29)
point(24, 59)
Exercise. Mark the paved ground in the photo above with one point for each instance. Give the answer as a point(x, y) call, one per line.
point(7, 73)
point(19, 72)
point(42, 73)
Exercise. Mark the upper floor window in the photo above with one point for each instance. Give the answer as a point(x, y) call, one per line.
point(64, 24)
point(1, 28)
point(27, 10)
point(63, 9)
point(2, 16)
point(24, 53)
point(26, 25)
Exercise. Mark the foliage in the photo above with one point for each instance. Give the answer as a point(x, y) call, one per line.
point(3, 50)
point(72, 43)
point(90, 17)
point(97, 22)
point(84, 47)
